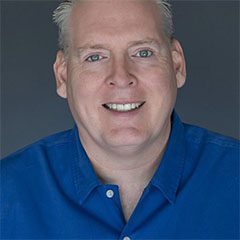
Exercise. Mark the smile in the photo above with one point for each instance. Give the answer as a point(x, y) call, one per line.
point(123, 107)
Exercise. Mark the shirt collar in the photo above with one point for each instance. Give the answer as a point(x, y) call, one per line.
point(166, 178)
point(169, 172)
point(84, 176)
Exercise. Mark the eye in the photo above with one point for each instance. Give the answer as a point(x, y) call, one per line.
point(94, 58)
point(144, 53)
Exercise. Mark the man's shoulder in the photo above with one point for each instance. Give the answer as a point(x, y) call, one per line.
point(201, 136)
point(31, 153)
point(209, 148)
point(212, 158)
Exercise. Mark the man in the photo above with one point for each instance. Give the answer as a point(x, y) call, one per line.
point(129, 169)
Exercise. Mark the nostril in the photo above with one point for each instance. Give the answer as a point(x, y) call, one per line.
point(111, 83)
point(118, 81)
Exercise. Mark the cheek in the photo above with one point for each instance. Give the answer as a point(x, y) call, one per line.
point(81, 98)
point(160, 85)
point(84, 96)
point(83, 84)
point(158, 72)
point(159, 79)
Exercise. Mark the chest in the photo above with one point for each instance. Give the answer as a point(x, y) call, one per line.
point(101, 216)
point(129, 199)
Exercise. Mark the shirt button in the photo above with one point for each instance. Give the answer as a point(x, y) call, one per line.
point(126, 238)
point(110, 194)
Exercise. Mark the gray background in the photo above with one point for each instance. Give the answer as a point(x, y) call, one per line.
point(30, 108)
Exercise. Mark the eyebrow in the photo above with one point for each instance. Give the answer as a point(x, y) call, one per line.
point(150, 41)
point(90, 46)
point(131, 44)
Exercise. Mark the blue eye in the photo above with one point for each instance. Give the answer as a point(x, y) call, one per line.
point(144, 53)
point(94, 58)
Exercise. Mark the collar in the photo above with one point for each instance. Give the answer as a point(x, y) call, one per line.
point(166, 178)
point(84, 176)
point(169, 172)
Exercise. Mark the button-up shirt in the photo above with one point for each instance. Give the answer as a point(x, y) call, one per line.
point(50, 190)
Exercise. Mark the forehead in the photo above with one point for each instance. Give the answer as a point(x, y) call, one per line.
point(90, 19)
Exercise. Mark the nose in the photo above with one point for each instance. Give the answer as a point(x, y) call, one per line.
point(121, 74)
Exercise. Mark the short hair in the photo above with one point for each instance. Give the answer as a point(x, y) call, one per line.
point(62, 13)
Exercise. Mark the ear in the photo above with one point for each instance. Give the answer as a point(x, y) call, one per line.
point(60, 72)
point(178, 63)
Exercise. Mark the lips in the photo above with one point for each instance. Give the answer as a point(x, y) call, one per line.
point(123, 107)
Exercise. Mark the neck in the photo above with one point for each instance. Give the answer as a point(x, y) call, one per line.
point(122, 166)
point(131, 172)
point(130, 169)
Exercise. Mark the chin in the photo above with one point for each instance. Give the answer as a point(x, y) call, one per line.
point(125, 138)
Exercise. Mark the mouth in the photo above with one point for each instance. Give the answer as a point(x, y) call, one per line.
point(123, 107)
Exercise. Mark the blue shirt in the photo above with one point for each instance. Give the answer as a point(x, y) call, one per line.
point(50, 190)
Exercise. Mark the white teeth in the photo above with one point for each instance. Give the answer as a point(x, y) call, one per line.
point(123, 107)
point(114, 106)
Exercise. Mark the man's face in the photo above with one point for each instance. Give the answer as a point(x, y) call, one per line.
point(121, 75)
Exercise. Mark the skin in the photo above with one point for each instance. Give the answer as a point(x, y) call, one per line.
point(134, 62)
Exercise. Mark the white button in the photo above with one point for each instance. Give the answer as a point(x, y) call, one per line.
point(126, 238)
point(110, 194)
